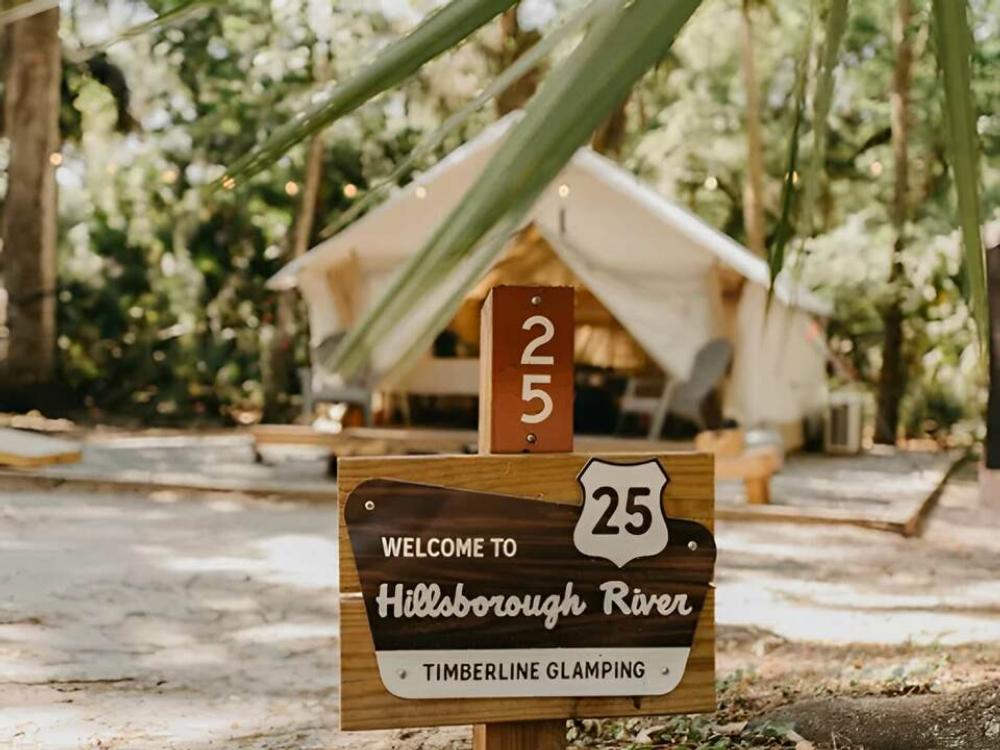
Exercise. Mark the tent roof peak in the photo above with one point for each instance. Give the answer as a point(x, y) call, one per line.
point(595, 205)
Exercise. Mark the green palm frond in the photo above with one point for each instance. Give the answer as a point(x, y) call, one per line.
point(475, 265)
point(531, 58)
point(439, 32)
point(954, 46)
point(619, 48)
point(785, 230)
point(829, 54)
point(836, 24)
point(180, 12)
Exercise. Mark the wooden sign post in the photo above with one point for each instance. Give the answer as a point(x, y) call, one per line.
point(521, 366)
point(527, 585)
point(992, 446)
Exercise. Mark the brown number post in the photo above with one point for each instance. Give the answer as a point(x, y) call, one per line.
point(525, 406)
point(526, 370)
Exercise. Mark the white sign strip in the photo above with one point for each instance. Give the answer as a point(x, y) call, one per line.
point(538, 672)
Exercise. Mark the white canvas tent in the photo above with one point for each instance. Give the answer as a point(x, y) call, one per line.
point(669, 279)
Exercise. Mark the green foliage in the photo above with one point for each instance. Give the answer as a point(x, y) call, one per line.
point(939, 335)
point(693, 145)
point(440, 31)
point(932, 409)
point(530, 59)
point(162, 283)
point(954, 48)
point(789, 183)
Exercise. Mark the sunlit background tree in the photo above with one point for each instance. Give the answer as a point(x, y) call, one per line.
point(159, 311)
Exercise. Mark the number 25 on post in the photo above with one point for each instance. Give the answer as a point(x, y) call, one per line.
point(528, 339)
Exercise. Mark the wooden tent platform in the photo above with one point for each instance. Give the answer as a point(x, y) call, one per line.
point(26, 450)
point(892, 492)
point(196, 462)
point(753, 468)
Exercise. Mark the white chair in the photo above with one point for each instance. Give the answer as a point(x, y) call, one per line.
point(683, 398)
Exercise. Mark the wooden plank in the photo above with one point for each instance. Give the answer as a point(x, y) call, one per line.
point(365, 702)
point(395, 441)
point(755, 466)
point(138, 483)
point(790, 514)
point(22, 449)
point(904, 518)
point(521, 735)
point(914, 524)
point(445, 441)
point(293, 434)
point(755, 462)
point(36, 423)
point(758, 490)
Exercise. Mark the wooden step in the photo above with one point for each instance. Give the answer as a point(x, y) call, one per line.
point(22, 449)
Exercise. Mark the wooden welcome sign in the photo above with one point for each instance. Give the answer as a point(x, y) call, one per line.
point(526, 586)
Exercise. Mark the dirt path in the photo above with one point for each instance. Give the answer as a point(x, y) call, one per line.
point(167, 622)
point(183, 621)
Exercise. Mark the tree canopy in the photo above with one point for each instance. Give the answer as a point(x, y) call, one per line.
point(161, 278)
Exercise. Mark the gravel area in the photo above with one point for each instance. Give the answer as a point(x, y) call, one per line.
point(184, 620)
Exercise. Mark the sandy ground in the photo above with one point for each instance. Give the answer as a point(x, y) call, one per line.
point(179, 620)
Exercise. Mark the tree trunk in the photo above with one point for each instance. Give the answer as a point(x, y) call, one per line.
point(515, 43)
point(993, 411)
point(306, 220)
point(892, 382)
point(753, 185)
point(28, 258)
point(280, 343)
point(958, 719)
point(610, 136)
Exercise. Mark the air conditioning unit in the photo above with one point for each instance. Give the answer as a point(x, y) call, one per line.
point(844, 420)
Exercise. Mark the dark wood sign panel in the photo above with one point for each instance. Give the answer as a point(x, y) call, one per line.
point(471, 595)
point(528, 353)
point(514, 531)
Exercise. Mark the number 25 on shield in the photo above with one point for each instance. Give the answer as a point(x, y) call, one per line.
point(531, 391)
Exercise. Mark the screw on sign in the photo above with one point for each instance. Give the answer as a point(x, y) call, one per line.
point(511, 590)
